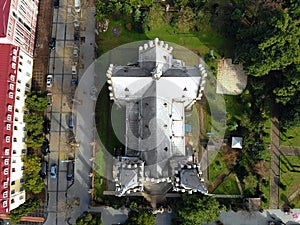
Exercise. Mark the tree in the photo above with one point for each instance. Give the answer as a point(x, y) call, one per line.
point(197, 210)
point(33, 181)
point(89, 219)
point(271, 44)
point(27, 207)
point(36, 101)
point(186, 20)
point(34, 123)
point(288, 90)
point(141, 217)
point(155, 17)
point(35, 140)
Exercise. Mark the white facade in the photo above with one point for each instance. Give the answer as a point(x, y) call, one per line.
point(23, 84)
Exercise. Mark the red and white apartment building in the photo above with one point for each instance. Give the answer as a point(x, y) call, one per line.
point(18, 19)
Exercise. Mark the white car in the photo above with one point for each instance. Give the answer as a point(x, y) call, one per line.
point(49, 80)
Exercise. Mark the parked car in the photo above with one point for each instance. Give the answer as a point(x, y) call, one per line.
point(43, 172)
point(52, 43)
point(56, 4)
point(70, 171)
point(49, 80)
point(74, 70)
point(47, 126)
point(71, 122)
point(50, 99)
point(76, 36)
point(45, 147)
point(53, 171)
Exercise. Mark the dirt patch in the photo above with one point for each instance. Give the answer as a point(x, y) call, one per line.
point(41, 51)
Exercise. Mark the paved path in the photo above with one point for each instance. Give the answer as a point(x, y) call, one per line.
point(275, 164)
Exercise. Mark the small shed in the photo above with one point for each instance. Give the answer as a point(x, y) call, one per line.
point(237, 142)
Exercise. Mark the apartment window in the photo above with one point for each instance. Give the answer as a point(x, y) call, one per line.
point(11, 86)
point(8, 126)
point(8, 117)
point(23, 151)
point(6, 151)
point(18, 97)
point(28, 74)
point(5, 184)
point(29, 62)
point(27, 85)
point(10, 95)
point(5, 171)
point(20, 70)
point(18, 89)
point(16, 110)
point(13, 65)
point(21, 197)
point(22, 168)
point(14, 58)
point(25, 112)
point(6, 161)
point(14, 161)
point(4, 204)
point(16, 119)
point(5, 194)
point(15, 139)
point(19, 81)
point(12, 201)
point(15, 128)
point(22, 180)
point(12, 77)
point(13, 170)
point(21, 188)
point(21, 63)
point(7, 139)
point(13, 183)
point(14, 14)
point(9, 108)
point(14, 152)
point(21, 56)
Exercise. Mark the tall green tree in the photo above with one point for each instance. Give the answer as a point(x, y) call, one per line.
point(270, 44)
point(89, 219)
point(197, 210)
point(141, 217)
point(27, 207)
point(186, 20)
point(36, 101)
point(33, 181)
point(34, 123)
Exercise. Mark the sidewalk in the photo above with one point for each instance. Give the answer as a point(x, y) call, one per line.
point(256, 218)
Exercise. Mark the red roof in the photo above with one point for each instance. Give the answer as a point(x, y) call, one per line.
point(9, 56)
point(4, 15)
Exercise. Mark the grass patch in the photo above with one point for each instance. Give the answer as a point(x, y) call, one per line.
point(289, 176)
point(265, 186)
point(295, 203)
point(103, 122)
point(291, 137)
point(217, 166)
point(228, 186)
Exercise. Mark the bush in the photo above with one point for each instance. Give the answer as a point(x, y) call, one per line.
point(29, 206)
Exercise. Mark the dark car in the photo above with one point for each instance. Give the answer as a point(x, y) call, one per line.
point(44, 167)
point(76, 36)
point(56, 4)
point(45, 147)
point(47, 126)
point(70, 171)
point(52, 43)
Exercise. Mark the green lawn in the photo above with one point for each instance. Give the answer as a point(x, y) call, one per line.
point(199, 42)
point(228, 186)
point(217, 166)
point(265, 186)
point(291, 137)
point(289, 176)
